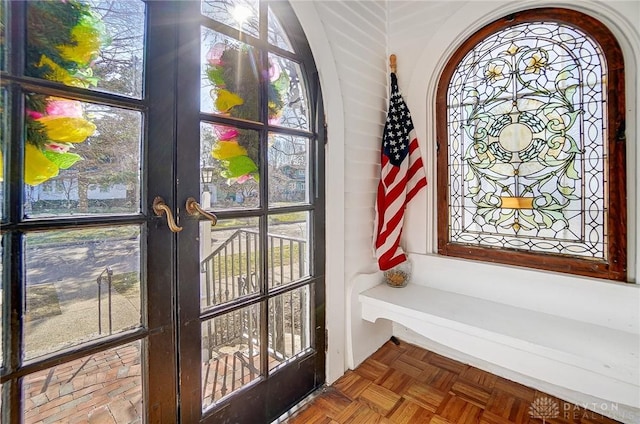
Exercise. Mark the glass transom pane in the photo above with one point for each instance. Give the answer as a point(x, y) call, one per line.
point(527, 147)
point(277, 35)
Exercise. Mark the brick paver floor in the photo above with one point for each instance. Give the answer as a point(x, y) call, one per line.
point(102, 388)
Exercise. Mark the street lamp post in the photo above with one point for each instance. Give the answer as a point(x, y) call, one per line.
point(206, 174)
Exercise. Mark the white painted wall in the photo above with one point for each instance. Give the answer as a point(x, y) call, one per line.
point(351, 41)
point(349, 44)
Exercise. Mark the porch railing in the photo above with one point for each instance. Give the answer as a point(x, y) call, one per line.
point(105, 277)
point(232, 270)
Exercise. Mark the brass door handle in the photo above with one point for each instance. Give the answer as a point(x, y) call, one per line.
point(194, 208)
point(160, 208)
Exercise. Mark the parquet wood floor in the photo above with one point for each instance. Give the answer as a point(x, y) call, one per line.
point(404, 384)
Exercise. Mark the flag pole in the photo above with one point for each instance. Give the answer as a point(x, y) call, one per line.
point(392, 63)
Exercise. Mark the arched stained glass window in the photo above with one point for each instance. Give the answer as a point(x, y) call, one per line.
point(531, 165)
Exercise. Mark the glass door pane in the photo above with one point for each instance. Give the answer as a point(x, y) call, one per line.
point(89, 278)
point(4, 141)
point(230, 260)
point(102, 387)
point(291, 98)
point(230, 80)
point(95, 44)
point(288, 254)
point(229, 167)
point(90, 162)
point(288, 170)
point(230, 354)
point(291, 322)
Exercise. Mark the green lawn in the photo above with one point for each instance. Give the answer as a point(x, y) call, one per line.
point(127, 284)
point(41, 238)
point(238, 261)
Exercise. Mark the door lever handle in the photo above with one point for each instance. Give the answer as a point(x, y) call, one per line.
point(193, 208)
point(160, 208)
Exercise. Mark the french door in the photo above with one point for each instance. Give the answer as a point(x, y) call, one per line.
point(162, 221)
point(250, 288)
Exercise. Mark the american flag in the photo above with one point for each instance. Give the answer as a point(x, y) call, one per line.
point(401, 178)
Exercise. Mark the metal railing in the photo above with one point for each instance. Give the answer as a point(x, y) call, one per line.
point(105, 275)
point(232, 270)
point(235, 361)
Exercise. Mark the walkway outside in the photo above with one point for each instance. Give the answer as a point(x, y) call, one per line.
point(68, 303)
point(104, 388)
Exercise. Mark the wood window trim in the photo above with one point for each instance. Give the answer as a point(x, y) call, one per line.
point(615, 267)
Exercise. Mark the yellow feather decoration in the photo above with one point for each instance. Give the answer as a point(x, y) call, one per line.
point(228, 149)
point(67, 129)
point(60, 74)
point(86, 48)
point(37, 168)
point(227, 100)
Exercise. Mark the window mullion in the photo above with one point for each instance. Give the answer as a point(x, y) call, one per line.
point(13, 257)
point(264, 189)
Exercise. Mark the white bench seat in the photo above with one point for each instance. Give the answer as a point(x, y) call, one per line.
point(599, 361)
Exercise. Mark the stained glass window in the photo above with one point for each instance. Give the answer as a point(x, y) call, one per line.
point(528, 152)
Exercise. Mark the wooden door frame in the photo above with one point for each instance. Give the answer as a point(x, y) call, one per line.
point(162, 368)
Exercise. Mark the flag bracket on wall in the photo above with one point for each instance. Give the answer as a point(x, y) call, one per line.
point(402, 176)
